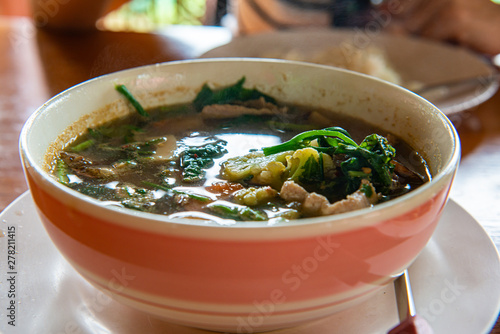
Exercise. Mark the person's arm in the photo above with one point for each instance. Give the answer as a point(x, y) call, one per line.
point(472, 23)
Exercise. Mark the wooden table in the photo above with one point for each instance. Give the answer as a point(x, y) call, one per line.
point(35, 65)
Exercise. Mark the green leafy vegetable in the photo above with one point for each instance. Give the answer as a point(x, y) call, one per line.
point(194, 160)
point(95, 190)
point(375, 155)
point(143, 148)
point(309, 167)
point(168, 189)
point(313, 150)
point(236, 212)
point(141, 200)
point(367, 190)
point(132, 151)
point(228, 95)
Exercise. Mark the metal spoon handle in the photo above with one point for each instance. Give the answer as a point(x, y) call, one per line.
point(466, 83)
point(410, 322)
point(404, 296)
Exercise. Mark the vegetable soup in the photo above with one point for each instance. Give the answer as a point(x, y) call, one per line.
point(236, 153)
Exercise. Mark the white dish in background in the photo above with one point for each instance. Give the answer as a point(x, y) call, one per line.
point(414, 59)
point(455, 282)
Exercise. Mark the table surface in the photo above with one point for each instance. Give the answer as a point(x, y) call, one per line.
point(35, 65)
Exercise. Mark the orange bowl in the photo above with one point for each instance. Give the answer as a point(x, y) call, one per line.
point(247, 276)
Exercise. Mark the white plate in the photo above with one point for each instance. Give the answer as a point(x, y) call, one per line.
point(415, 59)
point(455, 281)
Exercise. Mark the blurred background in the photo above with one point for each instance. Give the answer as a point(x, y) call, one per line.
point(135, 15)
point(153, 15)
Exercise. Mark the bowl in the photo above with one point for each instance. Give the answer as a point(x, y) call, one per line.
point(249, 276)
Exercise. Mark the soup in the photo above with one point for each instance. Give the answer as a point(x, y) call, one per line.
point(236, 153)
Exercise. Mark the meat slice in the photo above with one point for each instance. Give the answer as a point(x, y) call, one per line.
point(253, 107)
point(355, 201)
point(261, 103)
point(314, 204)
point(292, 192)
point(84, 167)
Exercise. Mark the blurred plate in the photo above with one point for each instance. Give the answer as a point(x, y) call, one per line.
point(454, 279)
point(416, 60)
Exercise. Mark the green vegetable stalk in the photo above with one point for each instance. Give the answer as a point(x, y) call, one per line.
point(122, 89)
point(304, 139)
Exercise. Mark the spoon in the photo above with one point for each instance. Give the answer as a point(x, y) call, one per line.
point(410, 321)
point(455, 87)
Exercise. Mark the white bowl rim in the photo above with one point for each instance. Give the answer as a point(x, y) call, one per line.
point(372, 215)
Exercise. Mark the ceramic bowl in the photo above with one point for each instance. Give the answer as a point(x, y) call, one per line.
point(249, 276)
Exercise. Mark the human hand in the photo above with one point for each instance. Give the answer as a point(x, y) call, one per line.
point(471, 23)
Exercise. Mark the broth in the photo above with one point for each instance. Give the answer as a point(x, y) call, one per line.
point(187, 161)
